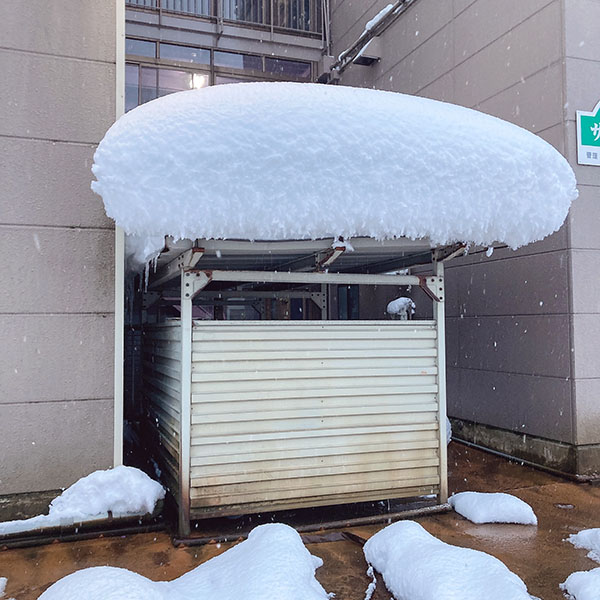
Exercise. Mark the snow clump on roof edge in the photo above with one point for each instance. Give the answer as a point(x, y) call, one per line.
point(276, 161)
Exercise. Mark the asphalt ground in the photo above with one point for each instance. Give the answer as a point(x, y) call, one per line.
point(537, 554)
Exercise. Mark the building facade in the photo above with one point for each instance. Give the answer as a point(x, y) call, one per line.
point(57, 304)
point(523, 377)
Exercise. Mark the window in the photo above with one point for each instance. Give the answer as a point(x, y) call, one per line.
point(140, 48)
point(132, 86)
point(289, 68)
point(238, 61)
point(348, 302)
point(185, 54)
point(149, 84)
point(220, 79)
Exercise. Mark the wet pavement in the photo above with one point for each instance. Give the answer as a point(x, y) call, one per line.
point(538, 555)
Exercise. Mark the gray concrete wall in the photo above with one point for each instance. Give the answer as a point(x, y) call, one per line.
point(512, 318)
point(582, 92)
point(56, 302)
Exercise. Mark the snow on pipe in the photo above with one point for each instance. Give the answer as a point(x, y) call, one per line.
point(276, 161)
point(373, 28)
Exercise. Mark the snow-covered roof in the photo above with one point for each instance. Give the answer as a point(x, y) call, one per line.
point(275, 161)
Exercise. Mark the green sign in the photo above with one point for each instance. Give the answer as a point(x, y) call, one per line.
point(588, 136)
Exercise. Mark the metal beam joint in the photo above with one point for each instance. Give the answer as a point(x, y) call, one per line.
point(433, 286)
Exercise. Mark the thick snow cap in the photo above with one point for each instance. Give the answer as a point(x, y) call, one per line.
point(276, 161)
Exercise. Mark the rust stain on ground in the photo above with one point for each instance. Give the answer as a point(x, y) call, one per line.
point(538, 555)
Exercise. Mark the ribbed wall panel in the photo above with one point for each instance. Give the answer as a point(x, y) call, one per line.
point(161, 349)
point(293, 414)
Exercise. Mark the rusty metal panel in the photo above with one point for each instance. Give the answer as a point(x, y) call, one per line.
point(293, 414)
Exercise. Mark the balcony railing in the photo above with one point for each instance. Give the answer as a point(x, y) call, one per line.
point(297, 15)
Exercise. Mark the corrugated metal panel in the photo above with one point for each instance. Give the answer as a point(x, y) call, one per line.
point(292, 414)
point(162, 396)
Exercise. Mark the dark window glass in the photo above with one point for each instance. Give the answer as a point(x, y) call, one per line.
point(185, 54)
point(288, 68)
point(348, 302)
point(132, 86)
point(296, 309)
point(238, 61)
point(140, 48)
point(149, 84)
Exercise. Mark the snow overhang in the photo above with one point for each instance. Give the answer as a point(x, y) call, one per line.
point(287, 161)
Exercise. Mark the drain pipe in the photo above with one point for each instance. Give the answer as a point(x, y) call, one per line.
point(388, 17)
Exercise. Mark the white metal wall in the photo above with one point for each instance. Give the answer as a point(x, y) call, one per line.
point(292, 414)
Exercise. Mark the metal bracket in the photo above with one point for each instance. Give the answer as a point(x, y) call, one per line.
point(186, 260)
point(320, 299)
point(194, 282)
point(448, 252)
point(149, 299)
point(329, 257)
point(433, 286)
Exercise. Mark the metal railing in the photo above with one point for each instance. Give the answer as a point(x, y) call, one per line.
point(298, 15)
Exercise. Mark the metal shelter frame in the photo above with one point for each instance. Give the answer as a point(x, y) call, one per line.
point(193, 280)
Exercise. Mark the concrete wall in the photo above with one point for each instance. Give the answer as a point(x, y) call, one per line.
point(56, 302)
point(512, 318)
point(582, 92)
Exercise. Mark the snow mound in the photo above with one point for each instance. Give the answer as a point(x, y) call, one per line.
point(417, 566)
point(481, 507)
point(122, 491)
point(279, 160)
point(272, 563)
point(583, 585)
point(104, 583)
point(3, 582)
point(401, 307)
point(588, 539)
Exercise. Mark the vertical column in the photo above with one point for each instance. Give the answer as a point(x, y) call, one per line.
point(119, 252)
point(186, 402)
point(439, 313)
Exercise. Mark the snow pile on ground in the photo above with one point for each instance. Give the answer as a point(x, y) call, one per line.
point(122, 491)
point(498, 507)
point(583, 585)
point(281, 160)
point(417, 566)
point(3, 582)
point(401, 308)
point(588, 539)
point(272, 563)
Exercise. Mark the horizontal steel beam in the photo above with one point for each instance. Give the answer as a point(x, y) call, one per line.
point(168, 272)
point(310, 278)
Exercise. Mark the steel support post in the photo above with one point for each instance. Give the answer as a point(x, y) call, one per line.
point(185, 416)
point(192, 282)
point(439, 313)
